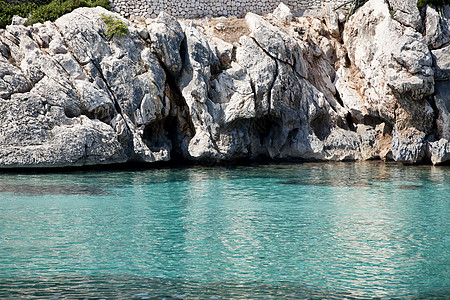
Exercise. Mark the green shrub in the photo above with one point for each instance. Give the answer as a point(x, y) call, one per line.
point(7, 11)
point(44, 10)
point(58, 8)
point(114, 26)
point(37, 2)
point(51, 11)
point(423, 3)
point(102, 3)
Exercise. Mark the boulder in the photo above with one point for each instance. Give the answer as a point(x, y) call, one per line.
point(167, 35)
point(408, 145)
point(36, 134)
point(441, 63)
point(331, 19)
point(439, 151)
point(283, 14)
point(437, 30)
point(406, 13)
point(18, 20)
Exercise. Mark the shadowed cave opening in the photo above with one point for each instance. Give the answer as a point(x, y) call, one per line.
point(263, 127)
point(155, 135)
point(319, 126)
point(350, 122)
point(174, 131)
point(373, 120)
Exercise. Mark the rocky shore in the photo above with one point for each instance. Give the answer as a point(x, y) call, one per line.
point(375, 86)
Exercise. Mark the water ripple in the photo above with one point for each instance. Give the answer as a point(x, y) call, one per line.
point(274, 232)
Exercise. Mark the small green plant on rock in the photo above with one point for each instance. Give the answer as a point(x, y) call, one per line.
point(423, 3)
point(114, 26)
point(353, 6)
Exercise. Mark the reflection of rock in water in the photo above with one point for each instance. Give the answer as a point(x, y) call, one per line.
point(328, 183)
point(296, 182)
point(39, 190)
point(409, 187)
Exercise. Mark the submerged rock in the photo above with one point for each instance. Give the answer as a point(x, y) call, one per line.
point(169, 89)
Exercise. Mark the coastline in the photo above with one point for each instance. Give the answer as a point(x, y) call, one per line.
point(226, 91)
point(170, 165)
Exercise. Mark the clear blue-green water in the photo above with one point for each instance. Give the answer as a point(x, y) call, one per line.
point(344, 230)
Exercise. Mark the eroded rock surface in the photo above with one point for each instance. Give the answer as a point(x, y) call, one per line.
point(406, 13)
point(283, 88)
point(395, 78)
point(437, 32)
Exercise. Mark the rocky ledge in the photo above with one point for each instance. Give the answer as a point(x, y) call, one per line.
point(215, 90)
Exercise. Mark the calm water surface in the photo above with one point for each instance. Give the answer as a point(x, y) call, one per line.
point(347, 230)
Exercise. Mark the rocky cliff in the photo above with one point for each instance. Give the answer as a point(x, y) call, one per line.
point(212, 90)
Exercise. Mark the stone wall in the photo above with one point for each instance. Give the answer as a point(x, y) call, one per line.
point(215, 8)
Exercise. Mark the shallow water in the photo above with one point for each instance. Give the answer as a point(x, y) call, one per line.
point(346, 230)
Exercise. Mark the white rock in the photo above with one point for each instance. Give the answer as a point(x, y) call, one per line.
point(18, 20)
point(441, 58)
point(437, 32)
point(283, 13)
point(220, 26)
point(331, 21)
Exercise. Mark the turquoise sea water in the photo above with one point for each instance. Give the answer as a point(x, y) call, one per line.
point(345, 230)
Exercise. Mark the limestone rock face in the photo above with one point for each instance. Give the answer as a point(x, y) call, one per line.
point(406, 13)
point(177, 90)
point(442, 99)
point(438, 38)
point(440, 149)
point(77, 98)
point(12, 80)
point(437, 32)
point(393, 67)
point(266, 103)
point(166, 36)
point(194, 83)
point(331, 20)
point(441, 65)
point(35, 133)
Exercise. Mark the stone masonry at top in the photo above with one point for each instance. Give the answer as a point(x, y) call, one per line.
point(213, 8)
